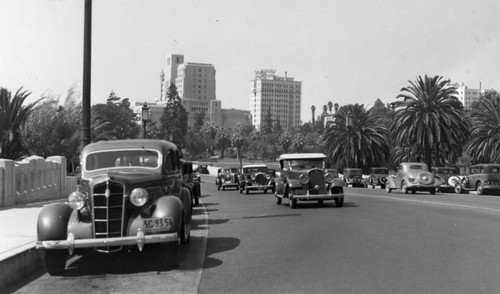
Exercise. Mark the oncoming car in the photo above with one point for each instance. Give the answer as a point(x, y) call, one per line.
point(256, 177)
point(227, 177)
point(354, 177)
point(303, 178)
point(412, 177)
point(378, 177)
point(131, 196)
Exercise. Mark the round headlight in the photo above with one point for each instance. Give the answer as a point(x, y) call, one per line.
point(268, 176)
point(329, 178)
point(77, 200)
point(304, 179)
point(252, 177)
point(139, 197)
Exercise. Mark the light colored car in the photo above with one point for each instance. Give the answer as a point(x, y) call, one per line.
point(412, 177)
point(303, 178)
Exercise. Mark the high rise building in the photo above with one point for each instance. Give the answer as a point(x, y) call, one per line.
point(277, 97)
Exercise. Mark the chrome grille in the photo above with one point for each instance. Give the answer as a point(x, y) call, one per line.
point(316, 178)
point(108, 212)
point(260, 179)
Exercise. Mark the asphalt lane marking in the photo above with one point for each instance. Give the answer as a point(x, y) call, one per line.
point(437, 203)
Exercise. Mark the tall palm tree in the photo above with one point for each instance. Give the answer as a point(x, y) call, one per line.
point(336, 107)
point(364, 143)
point(485, 123)
point(12, 116)
point(330, 106)
point(430, 120)
point(313, 109)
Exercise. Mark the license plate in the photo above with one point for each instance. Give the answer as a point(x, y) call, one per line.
point(157, 224)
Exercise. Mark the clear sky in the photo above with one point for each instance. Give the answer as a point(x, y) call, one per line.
point(344, 51)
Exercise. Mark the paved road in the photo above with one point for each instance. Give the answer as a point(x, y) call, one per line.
point(377, 243)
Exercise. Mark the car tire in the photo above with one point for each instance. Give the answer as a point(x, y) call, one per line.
point(458, 189)
point(320, 202)
point(339, 202)
point(480, 189)
point(185, 231)
point(432, 191)
point(223, 188)
point(55, 261)
point(388, 189)
point(404, 187)
point(293, 203)
point(414, 191)
point(247, 191)
point(382, 186)
point(265, 191)
point(273, 190)
point(278, 199)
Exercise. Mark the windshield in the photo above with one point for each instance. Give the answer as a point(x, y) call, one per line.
point(122, 158)
point(306, 163)
point(262, 169)
point(354, 172)
point(380, 171)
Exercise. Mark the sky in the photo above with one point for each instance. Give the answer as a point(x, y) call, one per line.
point(344, 51)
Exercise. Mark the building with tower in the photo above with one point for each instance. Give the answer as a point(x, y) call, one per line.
point(275, 96)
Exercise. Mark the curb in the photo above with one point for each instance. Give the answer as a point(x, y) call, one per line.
point(19, 263)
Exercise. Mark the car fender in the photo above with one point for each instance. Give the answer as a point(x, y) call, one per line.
point(52, 222)
point(280, 186)
point(391, 182)
point(165, 206)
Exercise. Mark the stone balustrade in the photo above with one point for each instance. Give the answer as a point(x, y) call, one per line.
point(34, 179)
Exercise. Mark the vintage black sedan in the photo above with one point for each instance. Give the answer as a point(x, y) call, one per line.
point(227, 177)
point(257, 177)
point(303, 178)
point(131, 196)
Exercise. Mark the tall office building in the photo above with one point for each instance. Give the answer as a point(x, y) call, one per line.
point(195, 84)
point(277, 96)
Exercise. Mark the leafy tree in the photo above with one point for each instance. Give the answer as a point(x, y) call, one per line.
point(223, 141)
point(362, 144)
point(196, 144)
point(298, 143)
point(114, 120)
point(430, 120)
point(199, 119)
point(174, 121)
point(485, 124)
point(211, 130)
point(239, 141)
point(267, 128)
point(285, 140)
point(12, 117)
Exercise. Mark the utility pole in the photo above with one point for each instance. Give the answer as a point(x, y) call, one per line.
point(87, 47)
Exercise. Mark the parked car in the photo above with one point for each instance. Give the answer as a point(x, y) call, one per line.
point(444, 174)
point(257, 177)
point(227, 177)
point(191, 181)
point(378, 177)
point(303, 177)
point(482, 178)
point(412, 177)
point(354, 177)
point(130, 197)
point(333, 171)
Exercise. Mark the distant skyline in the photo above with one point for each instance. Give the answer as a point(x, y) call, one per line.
point(342, 51)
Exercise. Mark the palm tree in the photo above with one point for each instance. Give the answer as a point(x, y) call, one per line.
point(364, 143)
point(211, 130)
point(485, 123)
point(330, 106)
point(430, 120)
point(12, 116)
point(336, 107)
point(313, 109)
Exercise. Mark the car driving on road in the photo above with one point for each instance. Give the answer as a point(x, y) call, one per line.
point(257, 177)
point(412, 177)
point(303, 177)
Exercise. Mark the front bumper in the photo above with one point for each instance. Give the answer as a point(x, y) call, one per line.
point(229, 184)
point(140, 239)
point(258, 187)
point(308, 196)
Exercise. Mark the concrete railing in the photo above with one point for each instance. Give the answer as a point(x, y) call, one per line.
point(34, 179)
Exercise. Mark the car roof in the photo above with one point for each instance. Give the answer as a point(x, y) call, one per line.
point(289, 156)
point(254, 165)
point(131, 143)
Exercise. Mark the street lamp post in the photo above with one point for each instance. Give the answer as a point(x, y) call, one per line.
point(145, 118)
point(348, 124)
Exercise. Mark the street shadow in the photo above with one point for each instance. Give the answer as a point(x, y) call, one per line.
point(316, 205)
point(217, 245)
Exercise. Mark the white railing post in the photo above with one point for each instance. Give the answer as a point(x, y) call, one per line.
point(8, 179)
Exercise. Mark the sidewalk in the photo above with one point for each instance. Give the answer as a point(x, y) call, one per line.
point(18, 256)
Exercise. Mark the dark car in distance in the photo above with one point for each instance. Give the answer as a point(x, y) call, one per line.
point(257, 177)
point(378, 177)
point(131, 196)
point(354, 177)
point(227, 177)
